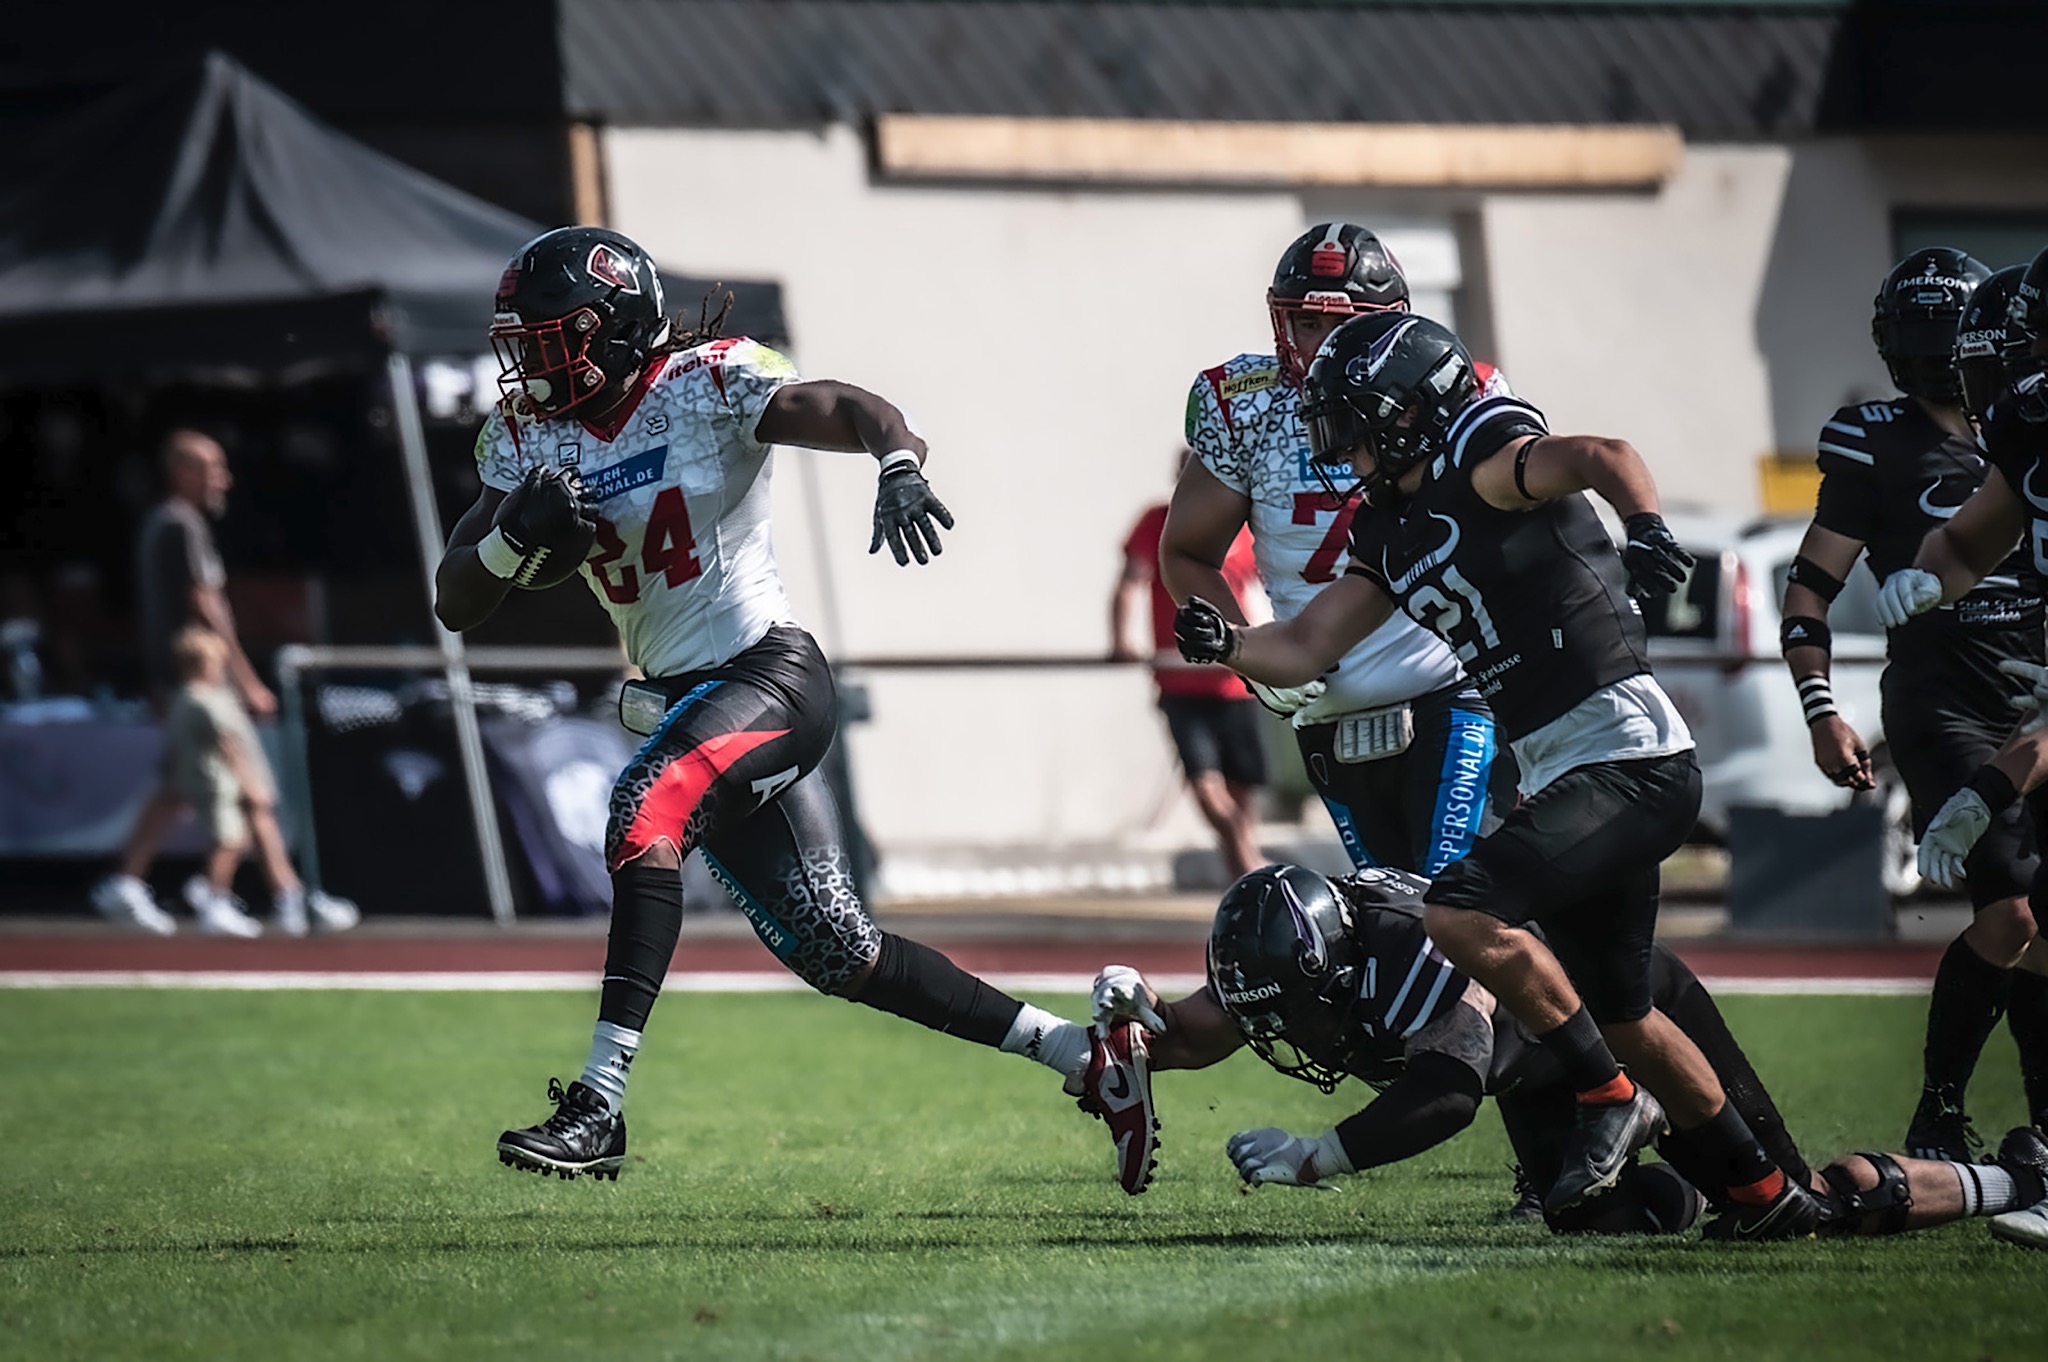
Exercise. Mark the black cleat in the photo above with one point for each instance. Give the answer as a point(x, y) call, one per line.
point(1528, 1200)
point(583, 1136)
point(1941, 1129)
point(2023, 1154)
point(1794, 1213)
point(1604, 1137)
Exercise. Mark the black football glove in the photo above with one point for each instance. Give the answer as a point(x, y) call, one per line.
point(904, 511)
point(1655, 564)
point(550, 507)
point(1202, 632)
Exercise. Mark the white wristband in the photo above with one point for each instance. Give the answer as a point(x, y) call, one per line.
point(897, 458)
point(497, 555)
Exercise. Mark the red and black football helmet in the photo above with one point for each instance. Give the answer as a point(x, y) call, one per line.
point(579, 312)
point(1913, 321)
point(1981, 339)
point(1284, 961)
point(1332, 267)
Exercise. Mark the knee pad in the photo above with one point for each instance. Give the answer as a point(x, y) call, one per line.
point(1846, 1206)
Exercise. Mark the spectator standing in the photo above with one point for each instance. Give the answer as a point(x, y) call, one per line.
point(1215, 724)
point(182, 583)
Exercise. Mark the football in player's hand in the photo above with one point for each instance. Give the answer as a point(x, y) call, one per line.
point(552, 519)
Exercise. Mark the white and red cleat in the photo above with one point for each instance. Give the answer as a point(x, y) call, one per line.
point(1117, 1086)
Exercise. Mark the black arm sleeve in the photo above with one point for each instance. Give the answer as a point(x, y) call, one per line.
point(1435, 1097)
point(1848, 500)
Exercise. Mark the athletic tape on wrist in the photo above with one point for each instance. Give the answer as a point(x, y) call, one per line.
point(497, 555)
point(1816, 698)
point(898, 458)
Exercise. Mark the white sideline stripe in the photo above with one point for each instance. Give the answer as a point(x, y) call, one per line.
point(730, 981)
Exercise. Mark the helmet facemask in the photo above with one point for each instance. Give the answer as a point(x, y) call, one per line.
point(545, 367)
point(1293, 364)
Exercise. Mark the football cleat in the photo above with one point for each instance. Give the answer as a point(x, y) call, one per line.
point(1117, 1087)
point(1605, 1136)
point(2027, 1226)
point(2023, 1154)
point(583, 1136)
point(1528, 1204)
point(125, 900)
point(1795, 1213)
point(1941, 1129)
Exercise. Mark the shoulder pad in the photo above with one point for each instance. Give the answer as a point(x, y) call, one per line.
point(1380, 887)
point(1847, 434)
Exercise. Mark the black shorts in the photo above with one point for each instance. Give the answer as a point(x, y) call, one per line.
point(1425, 808)
point(1936, 750)
point(1217, 735)
point(1581, 857)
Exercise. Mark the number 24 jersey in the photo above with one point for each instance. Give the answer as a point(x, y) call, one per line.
point(683, 561)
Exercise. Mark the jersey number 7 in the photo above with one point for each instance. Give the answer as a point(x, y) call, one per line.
point(667, 547)
point(1322, 564)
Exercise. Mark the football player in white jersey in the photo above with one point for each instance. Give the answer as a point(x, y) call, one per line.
point(1397, 741)
point(615, 419)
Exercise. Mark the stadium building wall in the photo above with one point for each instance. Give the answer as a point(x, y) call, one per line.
point(1044, 339)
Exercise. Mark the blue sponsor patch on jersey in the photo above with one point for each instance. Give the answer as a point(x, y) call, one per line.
point(623, 476)
point(1305, 467)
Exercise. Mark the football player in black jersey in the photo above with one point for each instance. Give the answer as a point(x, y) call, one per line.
point(1477, 524)
point(1327, 980)
point(2010, 508)
point(1890, 472)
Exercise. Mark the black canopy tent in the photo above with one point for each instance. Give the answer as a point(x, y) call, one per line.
point(198, 224)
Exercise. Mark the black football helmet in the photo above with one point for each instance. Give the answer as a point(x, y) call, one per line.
point(1388, 385)
point(1332, 267)
point(1981, 339)
point(579, 312)
point(1914, 321)
point(2026, 322)
point(1284, 962)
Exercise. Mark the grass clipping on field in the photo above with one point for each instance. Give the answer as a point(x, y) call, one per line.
point(256, 1175)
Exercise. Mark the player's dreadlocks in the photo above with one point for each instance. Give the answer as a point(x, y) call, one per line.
point(710, 325)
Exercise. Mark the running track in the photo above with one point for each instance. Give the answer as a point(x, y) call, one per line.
point(516, 960)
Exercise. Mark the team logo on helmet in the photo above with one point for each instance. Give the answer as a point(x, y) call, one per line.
point(608, 265)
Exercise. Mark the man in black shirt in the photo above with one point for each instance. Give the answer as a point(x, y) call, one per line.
point(1972, 547)
point(1477, 524)
point(1327, 980)
point(1890, 473)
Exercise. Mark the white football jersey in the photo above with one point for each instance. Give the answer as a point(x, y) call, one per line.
point(683, 561)
point(1244, 424)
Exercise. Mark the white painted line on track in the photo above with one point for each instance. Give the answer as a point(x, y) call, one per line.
point(732, 981)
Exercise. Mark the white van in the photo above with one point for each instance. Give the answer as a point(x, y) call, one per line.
point(1714, 644)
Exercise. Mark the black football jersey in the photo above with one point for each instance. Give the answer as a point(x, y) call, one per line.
point(1535, 603)
point(1405, 982)
point(1890, 475)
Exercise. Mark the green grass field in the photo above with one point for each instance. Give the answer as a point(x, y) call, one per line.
point(285, 1175)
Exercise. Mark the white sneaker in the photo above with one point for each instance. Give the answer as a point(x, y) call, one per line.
point(2028, 1226)
point(331, 912)
point(296, 911)
point(219, 914)
point(288, 912)
point(127, 901)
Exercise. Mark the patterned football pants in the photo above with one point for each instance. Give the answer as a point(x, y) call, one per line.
point(733, 769)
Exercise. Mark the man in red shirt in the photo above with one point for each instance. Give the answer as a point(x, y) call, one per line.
point(1214, 722)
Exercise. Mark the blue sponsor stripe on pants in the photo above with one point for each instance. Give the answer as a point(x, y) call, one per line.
point(1461, 789)
point(1347, 832)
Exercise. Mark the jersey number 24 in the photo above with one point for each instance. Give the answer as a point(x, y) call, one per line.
point(667, 549)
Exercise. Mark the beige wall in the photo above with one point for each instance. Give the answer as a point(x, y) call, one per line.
point(1044, 340)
